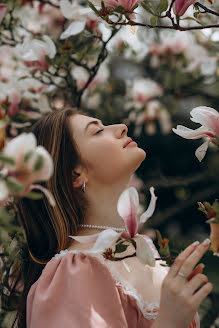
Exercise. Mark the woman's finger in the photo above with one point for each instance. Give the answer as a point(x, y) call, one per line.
point(193, 259)
point(197, 270)
point(195, 283)
point(181, 258)
point(201, 294)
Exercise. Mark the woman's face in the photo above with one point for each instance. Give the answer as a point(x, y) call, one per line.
point(102, 149)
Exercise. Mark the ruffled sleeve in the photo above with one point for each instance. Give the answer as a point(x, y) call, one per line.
point(75, 290)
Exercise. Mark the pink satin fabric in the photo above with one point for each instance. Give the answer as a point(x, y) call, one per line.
point(77, 290)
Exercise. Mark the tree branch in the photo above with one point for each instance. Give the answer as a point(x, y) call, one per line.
point(206, 10)
point(93, 70)
point(174, 27)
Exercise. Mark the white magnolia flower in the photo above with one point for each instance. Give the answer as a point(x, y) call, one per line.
point(34, 52)
point(209, 120)
point(145, 89)
point(79, 14)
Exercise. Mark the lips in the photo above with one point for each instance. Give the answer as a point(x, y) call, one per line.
point(127, 142)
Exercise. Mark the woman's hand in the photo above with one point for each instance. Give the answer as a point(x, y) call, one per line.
point(180, 299)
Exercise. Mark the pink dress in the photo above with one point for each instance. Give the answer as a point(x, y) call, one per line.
point(81, 289)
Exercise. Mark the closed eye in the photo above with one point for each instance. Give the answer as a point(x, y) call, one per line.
point(99, 131)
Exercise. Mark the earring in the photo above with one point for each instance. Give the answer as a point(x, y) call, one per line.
point(83, 186)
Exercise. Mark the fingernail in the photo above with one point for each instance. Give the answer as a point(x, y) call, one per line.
point(196, 243)
point(206, 242)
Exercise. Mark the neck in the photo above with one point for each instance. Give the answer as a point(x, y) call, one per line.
point(103, 201)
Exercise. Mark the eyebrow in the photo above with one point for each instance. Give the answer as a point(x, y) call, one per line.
point(93, 122)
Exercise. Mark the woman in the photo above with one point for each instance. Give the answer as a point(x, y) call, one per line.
point(65, 285)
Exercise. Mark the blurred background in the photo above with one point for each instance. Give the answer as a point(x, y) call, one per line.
point(149, 79)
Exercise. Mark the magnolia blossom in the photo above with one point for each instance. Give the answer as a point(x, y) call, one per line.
point(112, 4)
point(180, 6)
point(171, 42)
point(10, 97)
point(33, 52)
point(154, 112)
point(127, 207)
point(199, 59)
point(81, 16)
point(209, 120)
point(145, 89)
point(30, 163)
point(3, 11)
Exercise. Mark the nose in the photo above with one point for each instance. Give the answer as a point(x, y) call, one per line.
point(121, 130)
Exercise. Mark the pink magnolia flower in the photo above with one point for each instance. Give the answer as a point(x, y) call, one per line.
point(31, 163)
point(112, 4)
point(180, 6)
point(3, 11)
point(209, 120)
point(33, 52)
point(127, 208)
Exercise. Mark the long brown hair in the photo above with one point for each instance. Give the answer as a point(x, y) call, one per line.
point(47, 228)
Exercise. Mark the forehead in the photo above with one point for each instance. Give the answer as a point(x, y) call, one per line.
point(79, 122)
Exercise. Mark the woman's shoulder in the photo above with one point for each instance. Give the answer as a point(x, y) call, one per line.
point(67, 264)
point(71, 285)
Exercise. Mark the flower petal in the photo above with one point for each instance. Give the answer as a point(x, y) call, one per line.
point(150, 210)
point(66, 8)
point(46, 172)
point(127, 207)
point(73, 29)
point(144, 252)
point(207, 117)
point(187, 133)
point(105, 240)
point(201, 151)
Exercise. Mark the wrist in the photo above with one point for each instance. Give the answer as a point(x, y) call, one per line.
point(161, 323)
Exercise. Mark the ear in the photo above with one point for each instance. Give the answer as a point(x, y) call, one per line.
point(78, 178)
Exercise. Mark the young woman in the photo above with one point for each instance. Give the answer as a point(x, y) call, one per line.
point(67, 286)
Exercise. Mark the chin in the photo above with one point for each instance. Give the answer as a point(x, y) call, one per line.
point(141, 157)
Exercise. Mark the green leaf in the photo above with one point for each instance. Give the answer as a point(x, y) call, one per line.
point(38, 165)
point(196, 20)
point(4, 121)
point(119, 9)
point(120, 248)
point(93, 8)
point(6, 159)
point(163, 5)
point(147, 7)
point(34, 195)
point(153, 20)
point(14, 186)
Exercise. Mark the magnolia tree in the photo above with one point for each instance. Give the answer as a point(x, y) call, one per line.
point(135, 62)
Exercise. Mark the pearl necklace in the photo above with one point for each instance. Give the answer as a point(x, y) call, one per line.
point(99, 227)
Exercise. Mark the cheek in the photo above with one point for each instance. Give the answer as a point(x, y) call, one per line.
point(104, 156)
